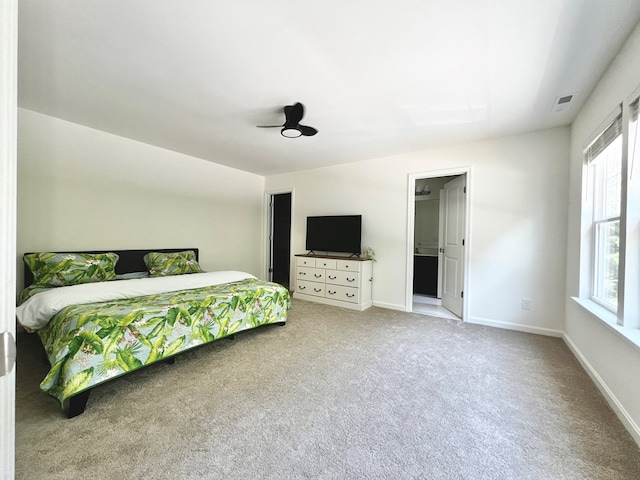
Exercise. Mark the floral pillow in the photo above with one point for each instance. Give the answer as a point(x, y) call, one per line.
point(30, 291)
point(62, 269)
point(165, 264)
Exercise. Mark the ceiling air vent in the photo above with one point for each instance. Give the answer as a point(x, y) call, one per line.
point(563, 103)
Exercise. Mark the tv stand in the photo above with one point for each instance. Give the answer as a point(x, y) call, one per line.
point(333, 280)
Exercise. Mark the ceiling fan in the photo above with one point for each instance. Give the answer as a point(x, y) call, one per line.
point(292, 128)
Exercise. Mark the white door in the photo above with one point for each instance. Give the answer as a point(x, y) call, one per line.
point(8, 129)
point(452, 248)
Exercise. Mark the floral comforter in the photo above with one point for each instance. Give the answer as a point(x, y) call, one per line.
point(88, 344)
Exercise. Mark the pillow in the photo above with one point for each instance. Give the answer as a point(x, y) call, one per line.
point(132, 275)
point(61, 269)
point(165, 264)
point(30, 291)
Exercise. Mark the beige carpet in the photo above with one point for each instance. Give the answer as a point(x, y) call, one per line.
point(335, 394)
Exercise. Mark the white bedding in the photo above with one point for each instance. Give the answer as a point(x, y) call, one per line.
point(36, 312)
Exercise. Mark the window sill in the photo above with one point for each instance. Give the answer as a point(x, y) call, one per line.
point(632, 335)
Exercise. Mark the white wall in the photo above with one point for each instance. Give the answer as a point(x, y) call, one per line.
point(612, 361)
point(518, 221)
point(427, 212)
point(80, 188)
point(427, 223)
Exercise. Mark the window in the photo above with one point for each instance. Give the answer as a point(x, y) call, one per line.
point(604, 159)
point(610, 265)
point(634, 140)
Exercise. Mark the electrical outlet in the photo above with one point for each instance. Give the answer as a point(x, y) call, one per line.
point(526, 304)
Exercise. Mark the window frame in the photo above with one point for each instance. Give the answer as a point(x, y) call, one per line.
point(630, 231)
point(600, 218)
point(625, 320)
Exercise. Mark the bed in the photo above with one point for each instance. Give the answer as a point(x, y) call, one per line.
point(103, 314)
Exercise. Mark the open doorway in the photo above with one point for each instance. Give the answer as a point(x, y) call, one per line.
point(437, 234)
point(279, 238)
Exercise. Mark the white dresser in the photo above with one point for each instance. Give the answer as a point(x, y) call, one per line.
point(335, 281)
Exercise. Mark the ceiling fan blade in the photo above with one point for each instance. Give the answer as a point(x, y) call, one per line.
point(307, 131)
point(269, 126)
point(293, 114)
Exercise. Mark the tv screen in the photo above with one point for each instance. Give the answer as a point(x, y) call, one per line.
point(338, 233)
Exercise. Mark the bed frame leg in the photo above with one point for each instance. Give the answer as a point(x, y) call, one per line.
point(77, 404)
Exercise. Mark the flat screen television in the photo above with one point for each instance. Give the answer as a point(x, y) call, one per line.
point(334, 234)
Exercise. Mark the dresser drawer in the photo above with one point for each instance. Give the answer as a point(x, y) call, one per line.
point(311, 288)
point(340, 277)
point(310, 274)
point(326, 263)
point(344, 294)
point(305, 262)
point(349, 265)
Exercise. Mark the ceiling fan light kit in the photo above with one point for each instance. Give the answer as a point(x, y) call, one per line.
point(292, 128)
point(290, 132)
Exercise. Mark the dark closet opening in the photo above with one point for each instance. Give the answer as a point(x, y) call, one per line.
point(280, 239)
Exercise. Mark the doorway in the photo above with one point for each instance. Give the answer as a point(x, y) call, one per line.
point(437, 234)
point(279, 239)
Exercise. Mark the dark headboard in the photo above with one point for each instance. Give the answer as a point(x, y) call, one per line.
point(129, 261)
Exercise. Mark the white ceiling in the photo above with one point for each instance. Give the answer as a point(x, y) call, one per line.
point(377, 77)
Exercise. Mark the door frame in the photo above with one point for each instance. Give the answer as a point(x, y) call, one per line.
point(411, 212)
point(8, 201)
point(266, 229)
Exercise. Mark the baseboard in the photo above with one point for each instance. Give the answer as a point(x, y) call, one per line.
point(618, 408)
point(549, 332)
point(390, 306)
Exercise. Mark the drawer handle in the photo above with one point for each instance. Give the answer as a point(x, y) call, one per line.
point(317, 289)
point(302, 273)
point(351, 295)
point(301, 287)
point(351, 279)
point(332, 293)
point(331, 277)
point(317, 275)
